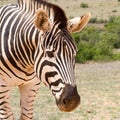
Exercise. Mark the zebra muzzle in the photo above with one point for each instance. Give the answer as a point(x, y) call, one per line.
point(69, 99)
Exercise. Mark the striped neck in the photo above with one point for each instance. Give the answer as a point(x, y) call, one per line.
point(28, 4)
point(55, 13)
point(34, 4)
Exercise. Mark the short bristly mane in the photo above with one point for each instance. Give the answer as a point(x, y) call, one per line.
point(59, 14)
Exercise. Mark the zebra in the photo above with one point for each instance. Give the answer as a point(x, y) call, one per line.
point(36, 46)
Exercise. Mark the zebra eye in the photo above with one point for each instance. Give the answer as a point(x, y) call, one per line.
point(50, 54)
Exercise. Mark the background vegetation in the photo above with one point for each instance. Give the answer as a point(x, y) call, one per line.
point(98, 44)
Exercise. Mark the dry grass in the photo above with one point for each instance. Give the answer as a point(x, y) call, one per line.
point(99, 87)
point(101, 9)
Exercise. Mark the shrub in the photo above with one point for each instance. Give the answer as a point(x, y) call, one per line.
point(84, 5)
point(98, 44)
point(113, 28)
point(99, 51)
point(102, 51)
point(85, 52)
point(114, 10)
point(93, 20)
point(102, 21)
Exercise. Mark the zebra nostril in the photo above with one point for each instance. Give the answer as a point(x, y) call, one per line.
point(65, 102)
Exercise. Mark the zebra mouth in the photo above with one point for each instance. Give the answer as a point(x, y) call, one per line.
point(69, 99)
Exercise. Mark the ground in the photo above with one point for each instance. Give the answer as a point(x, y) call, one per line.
point(99, 87)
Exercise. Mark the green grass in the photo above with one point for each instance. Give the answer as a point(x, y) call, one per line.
point(98, 85)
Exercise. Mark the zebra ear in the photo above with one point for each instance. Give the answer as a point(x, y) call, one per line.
point(78, 23)
point(41, 20)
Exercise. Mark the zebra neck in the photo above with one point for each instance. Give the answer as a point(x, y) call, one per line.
point(54, 12)
point(34, 5)
point(27, 4)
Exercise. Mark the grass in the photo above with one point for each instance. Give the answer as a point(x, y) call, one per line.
point(98, 85)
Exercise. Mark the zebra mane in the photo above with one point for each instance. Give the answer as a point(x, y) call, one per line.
point(59, 14)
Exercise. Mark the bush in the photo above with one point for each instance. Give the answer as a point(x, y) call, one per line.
point(85, 52)
point(98, 44)
point(114, 11)
point(95, 20)
point(102, 51)
point(113, 28)
point(102, 21)
point(116, 56)
point(91, 47)
point(84, 5)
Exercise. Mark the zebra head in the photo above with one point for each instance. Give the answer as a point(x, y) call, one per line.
point(55, 59)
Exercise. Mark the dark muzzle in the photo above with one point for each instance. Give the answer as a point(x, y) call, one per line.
point(69, 99)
